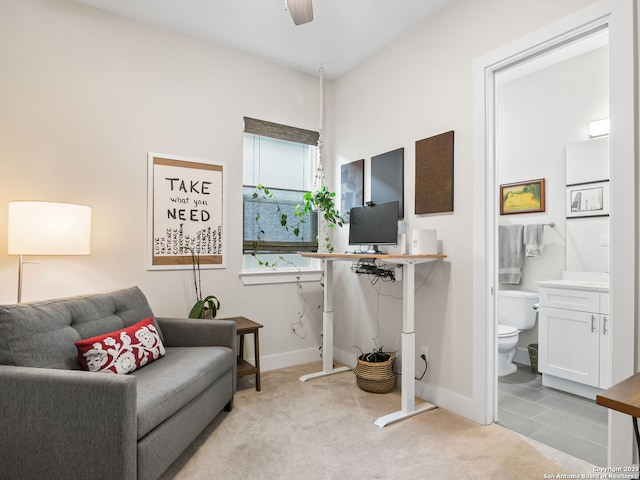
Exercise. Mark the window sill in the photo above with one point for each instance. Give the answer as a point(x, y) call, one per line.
point(282, 276)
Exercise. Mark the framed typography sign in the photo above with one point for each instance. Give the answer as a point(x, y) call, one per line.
point(186, 211)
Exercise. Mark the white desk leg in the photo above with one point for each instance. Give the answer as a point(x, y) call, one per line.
point(327, 329)
point(408, 402)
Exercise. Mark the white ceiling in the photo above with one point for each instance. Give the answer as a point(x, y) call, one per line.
point(343, 32)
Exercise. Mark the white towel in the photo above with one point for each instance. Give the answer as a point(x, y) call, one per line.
point(510, 253)
point(533, 240)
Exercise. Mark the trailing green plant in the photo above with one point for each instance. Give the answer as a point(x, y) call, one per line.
point(321, 201)
point(264, 192)
point(205, 307)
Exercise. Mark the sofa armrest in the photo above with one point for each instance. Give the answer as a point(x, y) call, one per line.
point(192, 332)
point(64, 423)
point(195, 332)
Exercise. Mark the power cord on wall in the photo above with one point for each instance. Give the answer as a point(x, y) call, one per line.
point(298, 328)
point(426, 366)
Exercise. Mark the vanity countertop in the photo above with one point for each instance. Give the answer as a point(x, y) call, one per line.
point(576, 285)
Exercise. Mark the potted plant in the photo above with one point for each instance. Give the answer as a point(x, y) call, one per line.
point(205, 307)
point(321, 201)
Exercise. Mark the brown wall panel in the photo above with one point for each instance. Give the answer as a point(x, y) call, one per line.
point(434, 174)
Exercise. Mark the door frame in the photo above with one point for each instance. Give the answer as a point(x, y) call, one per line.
point(619, 17)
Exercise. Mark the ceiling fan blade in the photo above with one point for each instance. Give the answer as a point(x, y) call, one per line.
point(301, 11)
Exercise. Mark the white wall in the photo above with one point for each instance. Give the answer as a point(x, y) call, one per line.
point(85, 95)
point(419, 86)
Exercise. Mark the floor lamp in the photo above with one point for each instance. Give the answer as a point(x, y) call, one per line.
point(47, 228)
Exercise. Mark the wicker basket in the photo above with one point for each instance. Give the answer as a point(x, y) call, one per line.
point(377, 377)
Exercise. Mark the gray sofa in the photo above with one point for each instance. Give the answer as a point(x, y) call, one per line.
point(60, 422)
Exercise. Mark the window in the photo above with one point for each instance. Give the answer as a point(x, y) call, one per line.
point(282, 160)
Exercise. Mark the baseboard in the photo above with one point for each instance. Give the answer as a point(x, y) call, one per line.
point(444, 398)
point(289, 359)
point(298, 357)
point(349, 359)
point(460, 404)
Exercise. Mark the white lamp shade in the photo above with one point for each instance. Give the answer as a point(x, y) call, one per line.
point(49, 228)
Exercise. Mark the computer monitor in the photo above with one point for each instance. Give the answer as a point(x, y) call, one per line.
point(373, 225)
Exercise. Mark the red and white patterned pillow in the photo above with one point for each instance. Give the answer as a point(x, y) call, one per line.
point(123, 351)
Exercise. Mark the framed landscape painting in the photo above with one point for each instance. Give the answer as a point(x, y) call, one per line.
point(522, 197)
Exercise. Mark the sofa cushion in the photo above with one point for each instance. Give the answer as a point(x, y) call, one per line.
point(168, 384)
point(122, 351)
point(42, 334)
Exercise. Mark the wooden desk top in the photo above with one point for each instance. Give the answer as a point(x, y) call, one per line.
point(354, 256)
point(623, 397)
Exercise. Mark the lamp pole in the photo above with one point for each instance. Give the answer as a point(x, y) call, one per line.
point(20, 265)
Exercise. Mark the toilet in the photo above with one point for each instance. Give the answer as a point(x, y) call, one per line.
point(517, 311)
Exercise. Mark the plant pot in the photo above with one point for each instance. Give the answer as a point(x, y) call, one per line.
point(207, 313)
point(377, 376)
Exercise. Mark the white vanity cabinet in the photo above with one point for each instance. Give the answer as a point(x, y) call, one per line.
point(574, 344)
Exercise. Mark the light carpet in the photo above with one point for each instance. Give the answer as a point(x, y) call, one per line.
point(323, 429)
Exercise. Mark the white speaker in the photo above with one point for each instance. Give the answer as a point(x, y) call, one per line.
point(400, 248)
point(424, 241)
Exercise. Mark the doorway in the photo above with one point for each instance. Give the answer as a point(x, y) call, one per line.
point(543, 108)
point(617, 17)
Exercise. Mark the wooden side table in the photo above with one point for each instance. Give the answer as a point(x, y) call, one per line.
point(246, 326)
point(624, 397)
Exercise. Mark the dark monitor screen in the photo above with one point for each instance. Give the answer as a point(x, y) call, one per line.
point(374, 225)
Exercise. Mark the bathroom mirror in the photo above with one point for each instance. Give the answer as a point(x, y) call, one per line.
point(587, 197)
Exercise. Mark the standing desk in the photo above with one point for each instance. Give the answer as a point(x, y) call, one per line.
point(408, 402)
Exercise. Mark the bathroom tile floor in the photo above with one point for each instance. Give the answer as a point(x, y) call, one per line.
point(566, 422)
